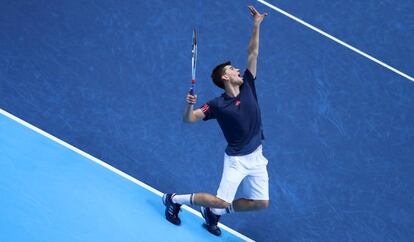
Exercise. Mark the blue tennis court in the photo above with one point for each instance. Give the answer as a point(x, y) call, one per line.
point(53, 192)
point(109, 79)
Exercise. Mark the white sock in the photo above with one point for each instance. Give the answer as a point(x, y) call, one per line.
point(221, 211)
point(186, 199)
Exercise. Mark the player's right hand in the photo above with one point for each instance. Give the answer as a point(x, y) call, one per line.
point(191, 99)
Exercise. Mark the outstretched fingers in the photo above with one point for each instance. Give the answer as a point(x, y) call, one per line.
point(253, 11)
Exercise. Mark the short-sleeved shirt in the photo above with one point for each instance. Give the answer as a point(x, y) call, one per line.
point(239, 118)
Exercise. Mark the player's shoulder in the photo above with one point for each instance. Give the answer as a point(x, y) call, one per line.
point(216, 100)
point(248, 75)
point(212, 103)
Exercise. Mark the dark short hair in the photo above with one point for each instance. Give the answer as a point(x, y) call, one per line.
point(217, 73)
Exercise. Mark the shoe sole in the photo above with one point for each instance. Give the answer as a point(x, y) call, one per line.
point(211, 232)
point(206, 226)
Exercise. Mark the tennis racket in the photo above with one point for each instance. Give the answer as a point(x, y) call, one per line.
point(194, 63)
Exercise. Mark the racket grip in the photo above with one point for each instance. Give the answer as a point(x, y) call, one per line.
point(192, 90)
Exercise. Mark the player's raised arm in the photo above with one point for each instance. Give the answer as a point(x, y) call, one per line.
point(253, 50)
point(191, 115)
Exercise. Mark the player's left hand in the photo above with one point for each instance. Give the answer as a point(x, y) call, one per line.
point(191, 99)
point(257, 17)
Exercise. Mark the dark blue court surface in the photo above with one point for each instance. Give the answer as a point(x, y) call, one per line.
point(110, 78)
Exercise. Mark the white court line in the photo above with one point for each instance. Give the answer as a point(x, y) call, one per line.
point(113, 169)
point(336, 40)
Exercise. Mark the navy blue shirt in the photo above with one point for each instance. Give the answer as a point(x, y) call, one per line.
point(239, 118)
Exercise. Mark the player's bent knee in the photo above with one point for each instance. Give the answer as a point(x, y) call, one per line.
point(262, 204)
point(224, 204)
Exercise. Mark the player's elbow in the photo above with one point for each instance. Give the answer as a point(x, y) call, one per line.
point(186, 120)
point(189, 120)
point(253, 53)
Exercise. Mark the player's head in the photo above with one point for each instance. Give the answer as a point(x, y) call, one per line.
point(226, 73)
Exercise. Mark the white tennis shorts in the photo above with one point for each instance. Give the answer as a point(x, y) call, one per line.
point(250, 169)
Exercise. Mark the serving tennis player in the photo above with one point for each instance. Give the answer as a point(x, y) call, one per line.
point(238, 114)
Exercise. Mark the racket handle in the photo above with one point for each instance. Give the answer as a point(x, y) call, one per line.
point(192, 90)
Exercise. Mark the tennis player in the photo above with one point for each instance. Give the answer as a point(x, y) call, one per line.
point(238, 114)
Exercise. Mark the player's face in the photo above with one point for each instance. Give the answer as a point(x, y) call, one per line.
point(233, 75)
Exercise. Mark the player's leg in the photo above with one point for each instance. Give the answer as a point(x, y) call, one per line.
point(255, 185)
point(173, 203)
point(233, 174)
point(209, 200)
point(199, 199)
point(212, 207)
point(245, 205)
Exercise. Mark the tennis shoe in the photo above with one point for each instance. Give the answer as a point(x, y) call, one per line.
point(211, 221)
point(171, 209)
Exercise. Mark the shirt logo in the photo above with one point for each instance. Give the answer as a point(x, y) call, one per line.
point(205, 108)
point(237, 103)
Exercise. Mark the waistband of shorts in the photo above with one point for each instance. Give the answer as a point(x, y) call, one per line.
point(258, 149)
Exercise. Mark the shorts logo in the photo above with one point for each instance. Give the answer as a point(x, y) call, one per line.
point(237, 103)
point(205, 108)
